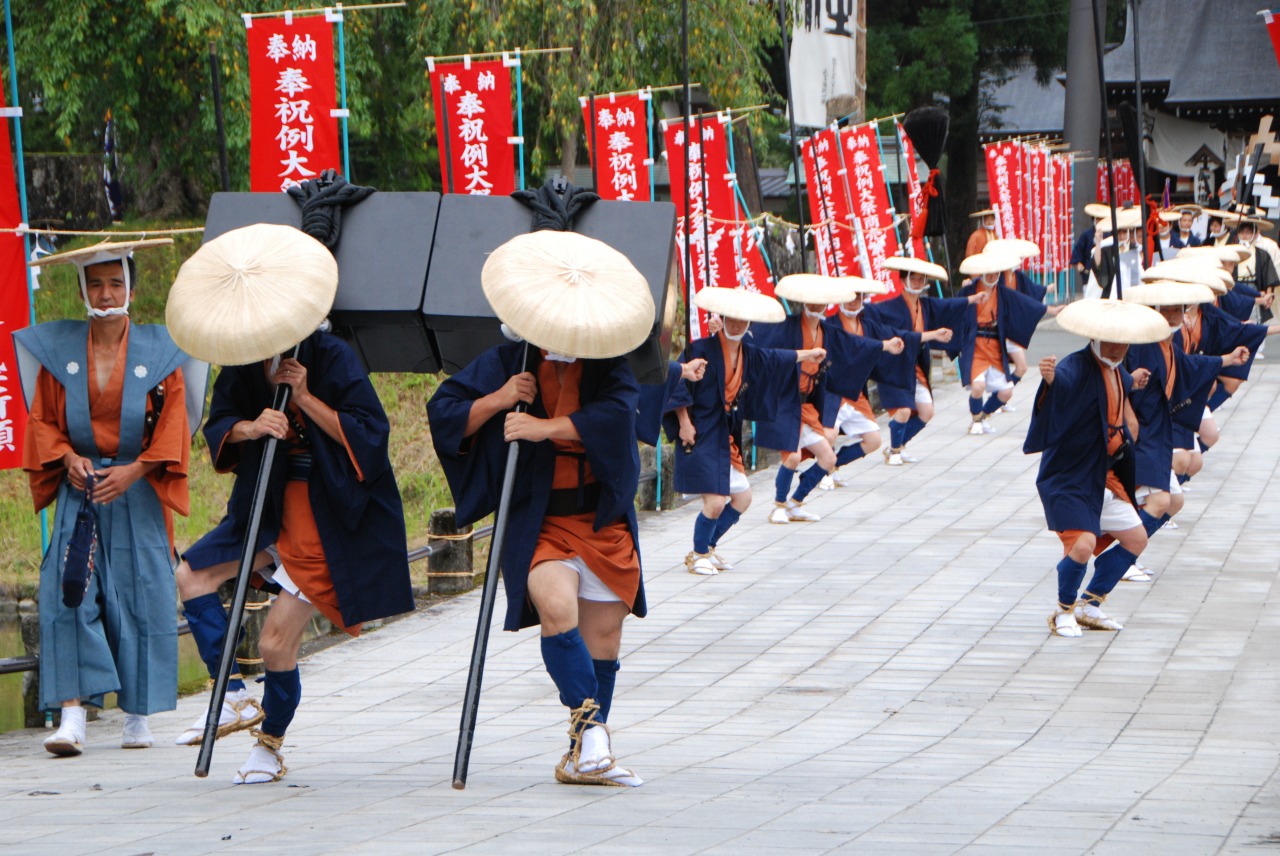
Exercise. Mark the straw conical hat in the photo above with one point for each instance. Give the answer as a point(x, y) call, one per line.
point(985, 212)
point(1114, 321)
point(569, 294)
point(1097, 210)
point(741, 304)
point(250, 294)
point(1196, 269)
point(1166, 292)
point(1130, 218)
point(812, 288)
point(107, 251)
point(983, 263)
point(912, 265)
point(1223, 253)
point(862, 285)
point(1020, 247)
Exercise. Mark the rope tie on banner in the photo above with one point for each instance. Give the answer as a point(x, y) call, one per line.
point(27, 230)
point(463, 536)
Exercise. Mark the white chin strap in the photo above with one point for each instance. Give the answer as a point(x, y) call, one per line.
point(560, 358)
point(916, 291)
point(733, 338)
point(851, 313)
point(1097, 352)
point(818, 315)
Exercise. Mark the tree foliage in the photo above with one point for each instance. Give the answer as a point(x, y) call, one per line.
point(148, 61)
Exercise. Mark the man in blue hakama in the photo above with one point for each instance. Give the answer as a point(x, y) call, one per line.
point(108, 403)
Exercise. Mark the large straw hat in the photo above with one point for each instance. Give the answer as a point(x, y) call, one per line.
point(741, 304)
point(1097, 210)
point(1174, 214)
point(569, 294)
point(107, 251)
point(1166, 292)
point(912, 265)
point(250, 294)
point(1130, 218)
point(862, 285)
point(1222, 253)
point(1195, 269)
point(1114, 321)
point(1020, 247)
point(812, 288)
point(985, 212)
point(983, 263)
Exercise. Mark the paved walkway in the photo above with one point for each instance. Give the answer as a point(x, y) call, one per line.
point(879, 682)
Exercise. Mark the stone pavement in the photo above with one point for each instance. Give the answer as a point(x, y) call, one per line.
point(879, 682)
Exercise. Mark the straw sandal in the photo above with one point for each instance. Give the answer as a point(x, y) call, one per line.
point(248, 713)
point(272, 745)
point(601, 770)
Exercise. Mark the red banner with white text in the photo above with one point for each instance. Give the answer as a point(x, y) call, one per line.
point(1126, 184)
point(860, 149)
point(621, 133)
point(472, 102)
point(830, 206)
point(15, 308)
point(915, 195)
point(723, 247)
point(1004, 183)
point(294, 134)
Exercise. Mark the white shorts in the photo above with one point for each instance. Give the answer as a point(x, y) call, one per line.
point(809, 437)
point(849, 421)
point(1013, 347)
point(923, 395)
point(280, 576)
point(590, 587)
point(1117, 514)
point(1143, 491)
point(738, 481)
point(996, 381)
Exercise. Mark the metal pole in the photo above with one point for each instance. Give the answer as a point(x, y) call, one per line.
point(1098, 17)
point(248, 550)
point(342, 91)
point(690, 309)
point(471, 700)
point(595, 152)
point(520, 116)
point(1080, 116)
point(653, 191)
point(215, 74)
point(1139, 158)
point(448, 142)
point(791, 122)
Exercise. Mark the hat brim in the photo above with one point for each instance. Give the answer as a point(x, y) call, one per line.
point(907, 264)
point(1165, 292)
point(741, 304)
point(1115, 321)
point(107, 251)
point(984, 263)
point(1020, 247)
point(815, 289)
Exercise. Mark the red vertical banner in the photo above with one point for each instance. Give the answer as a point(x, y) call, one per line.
point(830, 205)
point(15, 307)
point(472, 102)
point(1273, 29)
point(1003, 185)
point(915, 194)
point(870, 201)
point(621, 133)
point(294, 134)
point(1037, 230)
point(724, 250)
point(1126, 184)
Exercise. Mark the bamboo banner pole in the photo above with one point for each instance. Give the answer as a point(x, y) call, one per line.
point(336, 18)
point(497, 54)
point(320, 10)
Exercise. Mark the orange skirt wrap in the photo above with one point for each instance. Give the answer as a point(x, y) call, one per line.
point(609, 553)
point(303, 555)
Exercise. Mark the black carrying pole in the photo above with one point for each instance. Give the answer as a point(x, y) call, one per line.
point(448, 141)
point(791, 124)
point(1138, 157)
point(595, 152)
point(248, 550)
point(471, 700)
point(1106, 143)
point(215, 75)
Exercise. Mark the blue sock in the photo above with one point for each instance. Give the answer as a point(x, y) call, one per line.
point(281, 693)
point(852, 452)
point(606, 678)
point(808, 481)
point(1014, 378)
point(993, 404)
point(703, 529)
point(897, 434)
point(1070, 575)
point(1149, 523)
point(782, 483)
point(1204, 447)
point(914, 426)
point(1108, 569)
point(1219, 396)
point(975, 406)
point(569, 664)
point(208, 623)
point(727, 518)
point(1183, 478)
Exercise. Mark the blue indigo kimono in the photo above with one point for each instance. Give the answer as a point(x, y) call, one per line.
point(657, 399)
point(1016, 318)
point(849, 363)
point(1238, 302)
point(353, 494)
point(1069, 426)
point(1159, 414)
point(936, 313)
point(474, 466)
point(1222, 334)
point(123, 636)
point(767, 375)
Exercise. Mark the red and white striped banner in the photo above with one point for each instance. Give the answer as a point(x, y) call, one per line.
point(915, 195)
point(860, 148)
point(724, 248)
point(293, 101)
point(621, 133)
point(473, 112)
point(15, 308)
point(1126, 184)
point(830, 206)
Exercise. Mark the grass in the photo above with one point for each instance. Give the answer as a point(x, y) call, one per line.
point(422, 485)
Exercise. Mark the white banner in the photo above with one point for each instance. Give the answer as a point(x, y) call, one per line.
point(823, 56)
